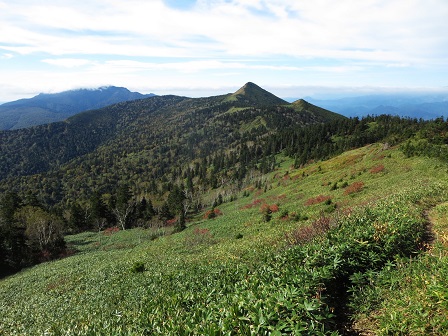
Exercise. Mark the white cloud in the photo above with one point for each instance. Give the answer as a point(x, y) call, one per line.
point(7, 56)
point(224, 43)
point(320, 28)
point(68, 62)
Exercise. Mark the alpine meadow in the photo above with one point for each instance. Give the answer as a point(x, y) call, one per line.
point(238, 214)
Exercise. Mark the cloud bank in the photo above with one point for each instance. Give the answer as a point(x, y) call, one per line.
point(155, 44)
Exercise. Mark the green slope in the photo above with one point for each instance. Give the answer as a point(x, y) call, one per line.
point(302, 105)
point(237, 274)
point(253, 95)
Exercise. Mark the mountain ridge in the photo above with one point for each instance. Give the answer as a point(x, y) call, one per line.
point(419, 105)
point(167, 133)
point(51, 107)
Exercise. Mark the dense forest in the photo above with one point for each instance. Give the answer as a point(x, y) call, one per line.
point(151, 162)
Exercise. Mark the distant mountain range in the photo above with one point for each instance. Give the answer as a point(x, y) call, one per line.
point(418, 105)
point(47, 108)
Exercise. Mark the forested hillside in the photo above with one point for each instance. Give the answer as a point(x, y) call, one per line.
point(153, 140)
point(160, 160)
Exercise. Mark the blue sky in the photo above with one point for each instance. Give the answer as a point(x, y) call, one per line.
point(293, 48)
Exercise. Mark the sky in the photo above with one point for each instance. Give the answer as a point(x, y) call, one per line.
point(293, 48)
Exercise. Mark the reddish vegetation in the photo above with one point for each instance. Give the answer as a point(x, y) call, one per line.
point(254, 203)
point(258, 193)
point(111, 230)
point(317, 200)
point(377, 169)
point(210, 214)
point(278, 198)
point(354, 188)
point(273, 208)
point(171, 222)
point(306, 233)
point(199, 231)
point(269, 208)
point(379, 157)
point(199, 236)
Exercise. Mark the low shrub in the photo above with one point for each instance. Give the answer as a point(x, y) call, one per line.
point(213, 213)
point(354, 188)
point(317, 200)
point(267, 211)
point(199, 236)
point(254, 203)
point(138, 267)
point(111, 230)
point(307, 233)
point(377, 169)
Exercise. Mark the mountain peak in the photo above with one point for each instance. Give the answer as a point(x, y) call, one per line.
point(249, 86)
point(303, 105)
point(50, 107)
point(252, 94)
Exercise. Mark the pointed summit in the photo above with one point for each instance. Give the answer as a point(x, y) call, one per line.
point(302, 105)
point(252, 94)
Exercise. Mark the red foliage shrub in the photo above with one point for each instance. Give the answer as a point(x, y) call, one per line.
point(258, 201)
point(199, 236)
point(305, 234)
point(111, 230)
point(171, 222)
point(266, 208)
point(210, 214)
point(258, 193)
point(199, 231)
point(317, 200)
point(273, 208)
point(354, 188)
point(377, 169)
point(278, 198)
point(254, 203)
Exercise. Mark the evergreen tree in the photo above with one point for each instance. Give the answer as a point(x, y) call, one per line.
point(77, 220)
point(176, 199)
point(124, 207)
point(165, 213)
point(181, 223)
point(145, 210)
point(13, 249)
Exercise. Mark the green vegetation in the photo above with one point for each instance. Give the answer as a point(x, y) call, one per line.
point(409, 296)
point(344, 261)
point(220, 217)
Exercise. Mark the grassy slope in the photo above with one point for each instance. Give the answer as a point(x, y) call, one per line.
point(207, 272)
point(410, 298)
